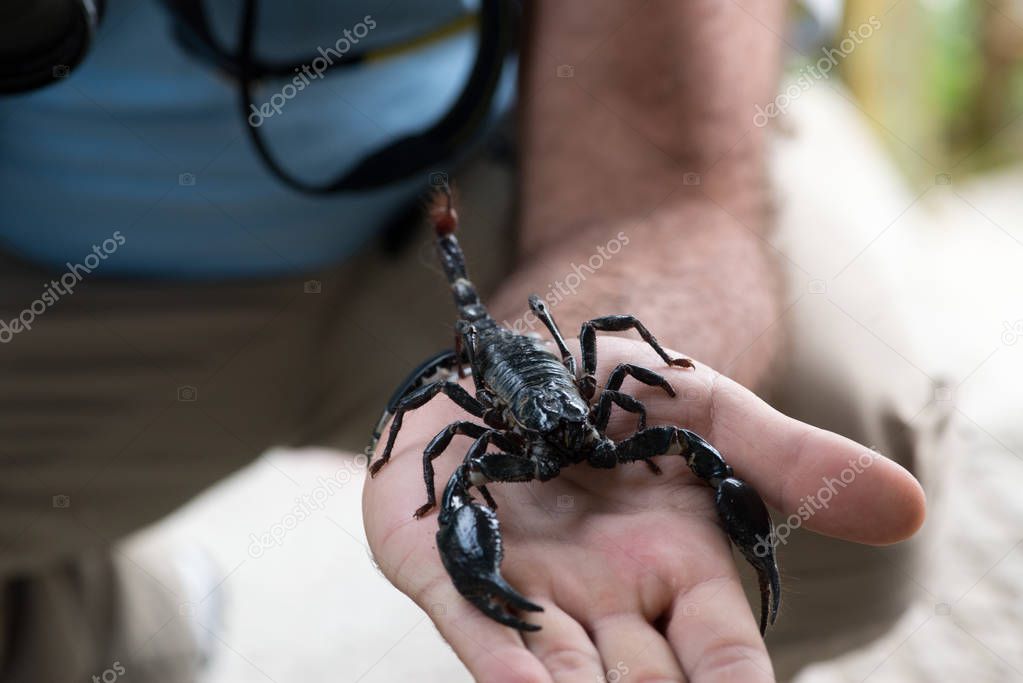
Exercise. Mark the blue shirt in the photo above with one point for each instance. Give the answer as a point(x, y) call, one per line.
point(147, 140)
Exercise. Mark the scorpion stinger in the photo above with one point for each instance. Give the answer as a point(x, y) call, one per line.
point(544, 413)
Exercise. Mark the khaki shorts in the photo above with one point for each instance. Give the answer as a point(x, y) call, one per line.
point(127, 398)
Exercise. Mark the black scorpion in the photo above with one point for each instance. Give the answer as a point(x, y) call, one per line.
point(540, 412)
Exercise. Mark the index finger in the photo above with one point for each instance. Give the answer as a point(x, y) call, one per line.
point(836, 486)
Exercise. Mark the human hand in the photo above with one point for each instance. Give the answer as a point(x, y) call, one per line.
point(632, 569)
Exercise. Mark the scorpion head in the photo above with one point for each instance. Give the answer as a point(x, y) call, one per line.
point(558, 414)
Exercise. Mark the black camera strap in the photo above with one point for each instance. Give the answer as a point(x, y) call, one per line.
point(415, 154)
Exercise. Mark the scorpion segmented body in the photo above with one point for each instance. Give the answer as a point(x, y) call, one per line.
point(543, 413)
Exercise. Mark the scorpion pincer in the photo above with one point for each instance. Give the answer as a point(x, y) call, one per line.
point(543, 414)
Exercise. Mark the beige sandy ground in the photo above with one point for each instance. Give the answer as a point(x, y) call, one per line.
point(314, 609)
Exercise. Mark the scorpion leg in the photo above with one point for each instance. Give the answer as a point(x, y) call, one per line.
point(444, 360)
point(491, 503)
point(614, 383)
point(469, 536)
point(493, 416)
point(417, 399)
point(541, 311)
point(459, 367)
point(740, 508)
point(614, 323)
point(433, 451)
point(602, 413)
point(466, 336)
point(644, 375)
point(442, 441)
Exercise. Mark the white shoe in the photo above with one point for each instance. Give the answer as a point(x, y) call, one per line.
point(171, 605)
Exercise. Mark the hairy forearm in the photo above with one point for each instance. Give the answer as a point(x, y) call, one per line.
point(688, 272)
point(660, 98)
point(658, 90)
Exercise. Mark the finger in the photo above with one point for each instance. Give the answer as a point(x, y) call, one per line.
point(490, 651)
point(714, 635)
point(564, 647)
point(835, 485)
point(832, 484)
point(635, 650)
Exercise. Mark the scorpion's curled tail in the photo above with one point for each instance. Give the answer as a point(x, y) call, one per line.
point(444, 220)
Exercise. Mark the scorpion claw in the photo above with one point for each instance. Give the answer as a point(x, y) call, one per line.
point(749, 527)
point(492, 606)
point(469, 542)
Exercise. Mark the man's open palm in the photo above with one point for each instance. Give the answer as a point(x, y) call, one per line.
point(633, 570)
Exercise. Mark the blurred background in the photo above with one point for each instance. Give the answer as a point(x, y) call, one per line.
point(941, 82)
point(911, 150)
